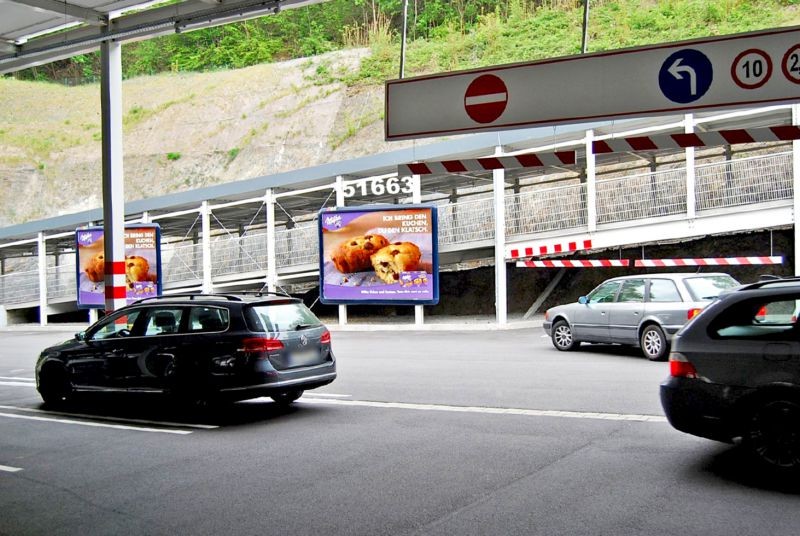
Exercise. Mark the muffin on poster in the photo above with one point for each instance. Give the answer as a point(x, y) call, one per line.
point(379, 255)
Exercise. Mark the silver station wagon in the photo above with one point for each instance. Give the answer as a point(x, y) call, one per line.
point(643, 311)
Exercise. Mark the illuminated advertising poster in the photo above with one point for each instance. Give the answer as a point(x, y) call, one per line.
point(379, 255)
point(142, 264)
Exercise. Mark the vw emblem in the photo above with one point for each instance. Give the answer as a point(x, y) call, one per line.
point(303, 340)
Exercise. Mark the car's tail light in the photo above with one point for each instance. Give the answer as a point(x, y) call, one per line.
point(260, 344)
point(326, 338)
point(693, 312)
point(547, 315)
point(680, 366)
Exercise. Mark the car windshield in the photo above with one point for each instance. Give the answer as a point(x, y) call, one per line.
point(285, 317)
point(706, 288)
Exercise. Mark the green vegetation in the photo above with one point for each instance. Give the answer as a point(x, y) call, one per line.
point(443, 34)
point(173, 156)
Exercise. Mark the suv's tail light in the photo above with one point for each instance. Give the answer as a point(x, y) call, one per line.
point(326, 338)
point(691, 313)
point(680, 366)
point(260, 344)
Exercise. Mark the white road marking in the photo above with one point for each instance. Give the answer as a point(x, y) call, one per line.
point(494, 411)
point(113, 419)
point(18, 384)
point(326, 395)
point(97, 424)
point(17, 378)
point(9, 469)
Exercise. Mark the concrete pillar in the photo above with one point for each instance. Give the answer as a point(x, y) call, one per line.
point(416, 197)
point(500, 299)
point(796, 184)
point(113, 179)
point(205, 214)
point(41, 252)
point(272, 264)
point(691, 208)
point(591, 184)
point(339, 203)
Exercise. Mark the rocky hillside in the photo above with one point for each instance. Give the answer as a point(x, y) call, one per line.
point(182, 131)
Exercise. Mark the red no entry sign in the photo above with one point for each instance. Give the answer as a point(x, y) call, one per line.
point(486, 98)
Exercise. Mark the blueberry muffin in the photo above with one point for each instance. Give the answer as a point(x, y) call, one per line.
point(353, 255)
point(395, 258)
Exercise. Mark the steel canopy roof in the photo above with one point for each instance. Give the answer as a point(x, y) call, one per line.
point(35, 32)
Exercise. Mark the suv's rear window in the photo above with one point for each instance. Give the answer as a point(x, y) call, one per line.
point(281, 317)
point(707, 288)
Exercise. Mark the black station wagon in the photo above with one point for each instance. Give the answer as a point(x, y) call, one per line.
point(198, 347)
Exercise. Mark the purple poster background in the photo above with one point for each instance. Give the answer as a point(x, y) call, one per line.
point(142, 270)
point(415, 282)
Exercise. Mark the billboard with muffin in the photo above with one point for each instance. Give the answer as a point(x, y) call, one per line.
point(142, 264)
point(384, 254)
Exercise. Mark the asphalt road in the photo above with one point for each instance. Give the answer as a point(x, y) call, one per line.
point(427, 433)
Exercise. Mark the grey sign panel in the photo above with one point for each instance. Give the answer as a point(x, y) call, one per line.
point(717, 72)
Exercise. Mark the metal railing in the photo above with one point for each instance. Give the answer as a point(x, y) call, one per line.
point(546, 209)
point(181, 262)
point(20, 287)
point(468, 221)
point(746, 181)
point(718, 186)
point(61, 280)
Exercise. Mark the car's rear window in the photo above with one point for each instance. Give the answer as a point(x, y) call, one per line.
point(281, 317)
point(706, 288)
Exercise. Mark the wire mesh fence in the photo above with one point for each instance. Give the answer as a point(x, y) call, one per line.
point(19, 287)
point(61, 281)
point(468, 221)
point(635, 197)
point(546, 209)
point(743, 182)
point(181, 262)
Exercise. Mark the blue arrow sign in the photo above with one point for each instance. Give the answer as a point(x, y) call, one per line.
point(685, 76)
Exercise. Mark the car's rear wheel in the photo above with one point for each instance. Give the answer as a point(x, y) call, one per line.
point(562, 336)
point(654, 343)
point(772, 433)
point(55, 387)
point(287, 398)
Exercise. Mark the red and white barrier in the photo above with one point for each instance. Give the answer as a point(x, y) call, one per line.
point(611, 145)
point(538, 250)
point(558, 158)
point(699, 139)
point(719, 261)
point(593, 263)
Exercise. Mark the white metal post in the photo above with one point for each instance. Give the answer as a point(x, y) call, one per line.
point(796, 190)
point(691, 208)
point(113, 178)
point(41, 252)
point(591, 184)
point(500, 300)
point(416, 197)
point(205, 214)
point(272, 265)
point(339, 203)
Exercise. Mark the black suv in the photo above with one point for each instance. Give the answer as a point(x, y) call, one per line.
point(199, 347)
point(735, 372)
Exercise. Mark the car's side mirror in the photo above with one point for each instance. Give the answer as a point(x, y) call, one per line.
point(583, 300)
point(80, 336)
point(124, 333)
